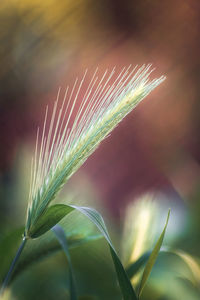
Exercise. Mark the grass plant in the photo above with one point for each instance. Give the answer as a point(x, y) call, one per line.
point(64, 149)
point(70, 134)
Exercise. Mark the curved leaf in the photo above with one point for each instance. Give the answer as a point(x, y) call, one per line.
point(152, 259)
point(185, 257)
point(48, 219)
point(124, 282)
point(192, 264)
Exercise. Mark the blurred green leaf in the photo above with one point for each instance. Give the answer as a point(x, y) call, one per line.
point(38, 249)
point(60, 235)
point(48, 219)
point(192, 264)
point(8, 247)
point(186, 258)
point(152, 259)
point(87, 298)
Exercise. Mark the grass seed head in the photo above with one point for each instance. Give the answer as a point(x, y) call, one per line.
point(77, 126)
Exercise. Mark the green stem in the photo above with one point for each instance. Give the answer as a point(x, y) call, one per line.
point(12, 266)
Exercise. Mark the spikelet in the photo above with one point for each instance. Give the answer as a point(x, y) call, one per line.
point(68, 141)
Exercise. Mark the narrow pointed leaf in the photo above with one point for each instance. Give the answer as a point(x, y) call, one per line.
point(124, 282)
point(152, 259)
point(60, 235)
point(48, 219)
point(185, 257)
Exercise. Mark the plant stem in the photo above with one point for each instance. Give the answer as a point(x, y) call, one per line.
point(12, 266)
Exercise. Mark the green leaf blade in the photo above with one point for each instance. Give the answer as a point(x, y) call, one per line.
point(152, 259)
point(48, 219)
point(124, 282)
point(55, 213)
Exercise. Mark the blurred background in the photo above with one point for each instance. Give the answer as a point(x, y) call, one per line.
point(47, 44)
